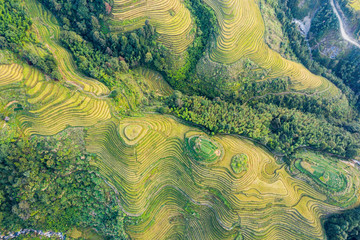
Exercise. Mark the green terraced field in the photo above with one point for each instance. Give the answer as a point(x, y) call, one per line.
point(203, 149)
point(239, 163)
point(171, 19)
point(329, 174)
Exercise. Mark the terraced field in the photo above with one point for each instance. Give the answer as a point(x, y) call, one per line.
point(170, 193)
point(48, 31)
point(174, 181)
point(355, 4)
point(54, 107)
point(10, 74)
point(170, 17)
point(330, 175)
point(242, 36)
point(203, 149)
point(153, 81)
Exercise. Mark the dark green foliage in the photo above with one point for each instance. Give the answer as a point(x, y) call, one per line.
point(14, 25)
point(324, 20)
point(330, 109)
point(303, 11)
point(141, 48)
point(343, 226)
point(83, 15)
point(88, 18)
point(47, 183)
point(349, 70)
point(281, 129)
point(89, 60)
point(46, 64)
point(346, 68)
point(207, 27)
point(102, 66)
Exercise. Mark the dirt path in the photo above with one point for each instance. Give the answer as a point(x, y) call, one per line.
point(344, 35)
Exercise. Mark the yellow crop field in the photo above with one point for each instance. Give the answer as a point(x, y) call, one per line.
point(55, 107)
point(355, 4)
point(171, 19)
point(242, 36)
point(144, 159)
point(12, 73)
point(172, 180)
point(48, 31)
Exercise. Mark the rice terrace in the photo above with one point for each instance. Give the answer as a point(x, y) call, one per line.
point(193, 119)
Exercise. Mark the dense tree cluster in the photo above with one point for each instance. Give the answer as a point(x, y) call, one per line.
point(91, 61)
point(206, 23)
point(47, 183)
point(282, 130)
point(140, 47)
point(343, 226)
point(344, 70)
point(88, 18)
point(15, 33)
point(330, 109)
point(46, 64)
point(14, 25)
point(135, 50)
point(319, 27)
point(348, 69)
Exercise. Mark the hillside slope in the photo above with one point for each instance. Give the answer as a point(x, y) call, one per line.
point(178, 173)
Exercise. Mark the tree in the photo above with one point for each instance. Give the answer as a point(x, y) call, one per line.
point(124, 66)
point(95, 23)
point(148, 57)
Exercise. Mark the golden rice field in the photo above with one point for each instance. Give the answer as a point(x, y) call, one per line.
point(171, 194)
point(171, 189)
point(170, 17)
point(355, 4)
point(242, 36)
point(55, 107)
point(163, 187)
point(12, 73)
point(168, 193)
point(48, 31)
